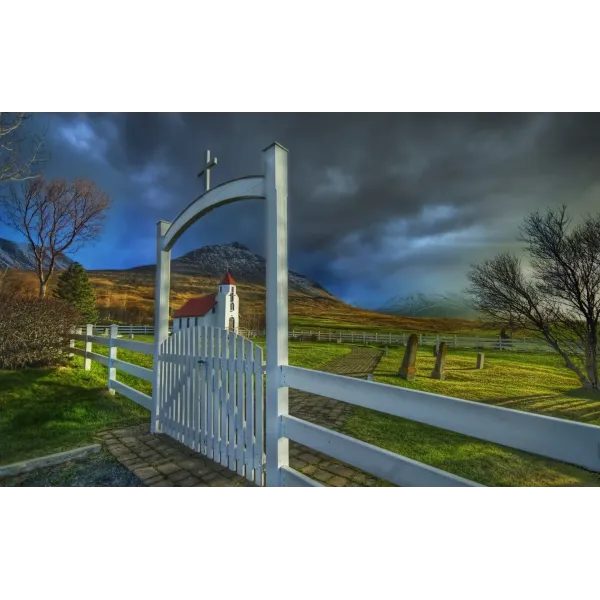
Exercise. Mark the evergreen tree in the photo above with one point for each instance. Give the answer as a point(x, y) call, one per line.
point(74, 286)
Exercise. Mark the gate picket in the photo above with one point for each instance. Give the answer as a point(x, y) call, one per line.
point(249, 431)
point(239, 415)
point(223, 395)
point(204, 350)
point(231, 400)
point(215, 398)
point(211, 397)
point(259, 416)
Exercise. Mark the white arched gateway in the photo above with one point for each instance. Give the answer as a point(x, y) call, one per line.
point(207, 389)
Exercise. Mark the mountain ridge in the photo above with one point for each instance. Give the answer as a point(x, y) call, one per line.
point(19, 256)
point(448, 305)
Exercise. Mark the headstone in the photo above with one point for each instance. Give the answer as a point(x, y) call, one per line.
point(408, 369)
point(338, 341)
point(385, 351)
point(440, 363)
point(480, 357)
point(131, 335)
point(370, 377)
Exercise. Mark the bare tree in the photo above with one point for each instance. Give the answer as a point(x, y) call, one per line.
point(560, 299)
point(20, 151)
point(56, 217)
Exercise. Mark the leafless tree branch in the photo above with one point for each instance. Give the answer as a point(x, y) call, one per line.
point(56, 218)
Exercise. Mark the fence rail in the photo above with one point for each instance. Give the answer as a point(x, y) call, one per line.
point(112, 362)
point(369, 337)
point(558, 439)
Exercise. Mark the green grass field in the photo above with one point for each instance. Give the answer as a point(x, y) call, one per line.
point(529, 382)
point(49, 410)
point(43, 411)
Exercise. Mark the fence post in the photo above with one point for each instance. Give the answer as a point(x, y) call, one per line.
point(455, 341)
point(420, 339)
point(364, 337)
point(277, 395)
point(87, 362)
point(112, 355)
point(500, 342)
point(72, 342)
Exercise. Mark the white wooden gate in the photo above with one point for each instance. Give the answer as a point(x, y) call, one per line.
point(212, 397)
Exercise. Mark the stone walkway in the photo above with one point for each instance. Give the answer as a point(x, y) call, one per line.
point(159, 460)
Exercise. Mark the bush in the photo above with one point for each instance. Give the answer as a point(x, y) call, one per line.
point(34, 331)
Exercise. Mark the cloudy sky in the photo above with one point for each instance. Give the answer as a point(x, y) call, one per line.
point(380, 205)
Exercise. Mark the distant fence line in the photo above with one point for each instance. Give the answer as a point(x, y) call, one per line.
point(425, 339)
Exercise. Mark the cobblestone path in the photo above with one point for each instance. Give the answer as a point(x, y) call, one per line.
point(159, 460)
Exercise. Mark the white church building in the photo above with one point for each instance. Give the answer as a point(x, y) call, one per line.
point(216, 310)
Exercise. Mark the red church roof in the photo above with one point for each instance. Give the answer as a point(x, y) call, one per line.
point(227, 280)
point(196, 307)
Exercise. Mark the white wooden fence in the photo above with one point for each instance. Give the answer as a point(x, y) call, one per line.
point(214, 402)
point(212, 397)
point(212, 391)
point(425, 339)
point(113, 363)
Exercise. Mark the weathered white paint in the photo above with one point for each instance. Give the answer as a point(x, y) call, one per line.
point(275, 159)
point(384, 464)
point(162, 290)
point(567, 441)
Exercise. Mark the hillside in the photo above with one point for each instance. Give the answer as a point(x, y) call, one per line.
point(128, 295)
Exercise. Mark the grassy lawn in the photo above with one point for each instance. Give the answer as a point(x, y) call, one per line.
point(49, 410)
point(529, 382)
point(43, 411)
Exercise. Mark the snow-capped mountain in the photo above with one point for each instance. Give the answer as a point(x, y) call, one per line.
point(242, 263)
point(19, 256)
point(434, 305)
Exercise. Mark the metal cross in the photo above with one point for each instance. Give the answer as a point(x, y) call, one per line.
point(206, 170)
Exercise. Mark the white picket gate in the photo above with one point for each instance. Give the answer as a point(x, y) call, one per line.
point(212, 397)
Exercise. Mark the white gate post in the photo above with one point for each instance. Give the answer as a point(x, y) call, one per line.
point(276, 194)
point(162, 289)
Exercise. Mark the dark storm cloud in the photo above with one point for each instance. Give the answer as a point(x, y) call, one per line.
point(368, 192)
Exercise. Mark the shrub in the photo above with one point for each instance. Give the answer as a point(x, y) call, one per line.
point(74, 286)
point(34, 331)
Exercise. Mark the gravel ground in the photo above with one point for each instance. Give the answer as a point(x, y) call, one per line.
point(96, 470)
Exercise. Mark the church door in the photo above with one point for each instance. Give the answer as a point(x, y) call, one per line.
point(231, 323)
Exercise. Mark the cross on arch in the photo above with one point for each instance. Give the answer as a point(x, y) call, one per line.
point(207, 167)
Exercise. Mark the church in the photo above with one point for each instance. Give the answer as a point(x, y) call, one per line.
point(215, 310)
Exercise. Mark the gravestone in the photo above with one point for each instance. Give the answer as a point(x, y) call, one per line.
point(408, 369)
point(338, 341)
point(439, 371)
point(370, 377)
point(385, 351)
point(480, 357)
